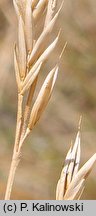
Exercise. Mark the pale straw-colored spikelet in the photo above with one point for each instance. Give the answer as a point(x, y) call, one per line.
point(72, 182)
point(43, 98)
point(41, 101)
point(29, 55)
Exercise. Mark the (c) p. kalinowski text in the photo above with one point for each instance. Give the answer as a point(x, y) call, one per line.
point(48, 207)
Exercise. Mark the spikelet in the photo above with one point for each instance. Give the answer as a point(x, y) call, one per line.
point(43, 98)
point(72, 182)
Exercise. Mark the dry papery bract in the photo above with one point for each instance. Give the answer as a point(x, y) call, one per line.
point(72, 180)
point(29, 55)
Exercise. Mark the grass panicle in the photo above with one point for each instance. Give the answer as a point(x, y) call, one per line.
point(29, 55)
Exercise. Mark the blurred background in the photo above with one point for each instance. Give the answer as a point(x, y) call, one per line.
point(74, 94)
